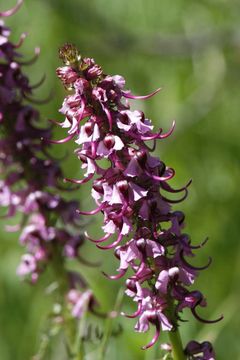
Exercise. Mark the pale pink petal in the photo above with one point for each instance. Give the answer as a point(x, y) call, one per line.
point(118, 143)
point(119, 81)
point(116, 197)
point(96, 133)
point(107, 192)
point(127, 227)
point(109, 228)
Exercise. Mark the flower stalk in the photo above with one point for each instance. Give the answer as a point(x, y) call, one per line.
point(131, 193)
point(176, 345)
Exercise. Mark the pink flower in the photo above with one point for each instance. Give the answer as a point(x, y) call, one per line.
point(131, 191)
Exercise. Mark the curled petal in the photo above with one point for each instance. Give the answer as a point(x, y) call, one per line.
point(79, 182)
point(164, 136)
point(55, 122)
point(37, 101)
point(200, 245)
point(162, 178)
point(114, 244)
point(93, 212)
point(96, 312)
point(34, 58)
point(195, 267)
point(39, 83)
point(84, 154)
point(11, 11)
point(176, 201)
point(168, 188)
point(128, 95)
point(152, 137)
point(203, 320)
point(180, 319)
point(136, 313)
point(21, 40)
point(102, 239)
point(151, 149)
point(62, 141)
point(154, 339)
point(115, 277)
point(141, 269)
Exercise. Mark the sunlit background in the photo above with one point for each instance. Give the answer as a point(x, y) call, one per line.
point(192, 50)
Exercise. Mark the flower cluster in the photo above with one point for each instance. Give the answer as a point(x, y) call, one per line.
point(29, 176)
point(131, 193)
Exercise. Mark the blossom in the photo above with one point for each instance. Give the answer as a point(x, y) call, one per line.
point(131, 193)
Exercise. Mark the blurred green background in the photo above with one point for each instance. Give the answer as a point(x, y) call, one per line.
point(192, 50)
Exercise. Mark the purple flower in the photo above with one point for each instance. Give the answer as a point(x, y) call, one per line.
point(131, 193)
point(197, 351)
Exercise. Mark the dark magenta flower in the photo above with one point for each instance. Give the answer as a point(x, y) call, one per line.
point(30, 177)
point(197, 351)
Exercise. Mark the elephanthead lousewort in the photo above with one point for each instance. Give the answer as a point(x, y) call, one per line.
point(131, 193)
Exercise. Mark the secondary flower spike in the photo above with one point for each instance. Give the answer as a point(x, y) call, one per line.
point(131, 193)
point(30, 180)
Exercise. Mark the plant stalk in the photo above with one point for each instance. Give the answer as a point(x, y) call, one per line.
point(58, 267)
point(177, 347)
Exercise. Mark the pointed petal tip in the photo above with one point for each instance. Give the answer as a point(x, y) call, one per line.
point(102, 239)
point(115, 277)
point(21, 40)
point(128, 95)
point(170, 131)
point(154, 339)
point(77, 181)
point(199, 318)
point(61, 141)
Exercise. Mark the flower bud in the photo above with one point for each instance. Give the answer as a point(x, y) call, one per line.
point(68, 53)
point(67, 75)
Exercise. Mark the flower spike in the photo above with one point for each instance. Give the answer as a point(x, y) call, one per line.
point(48, 224)
point(130, 192)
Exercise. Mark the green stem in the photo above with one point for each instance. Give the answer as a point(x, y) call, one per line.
point(109, 325)
point(177, 348)
point(58, 267)
point(174, 335)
